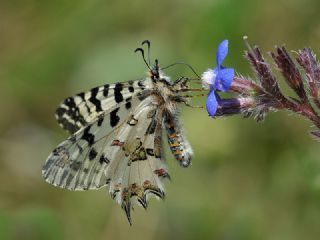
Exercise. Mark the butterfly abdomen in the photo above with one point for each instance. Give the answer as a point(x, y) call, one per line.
point(178, 144)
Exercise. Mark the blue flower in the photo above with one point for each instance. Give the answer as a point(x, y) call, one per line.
point(217, 79)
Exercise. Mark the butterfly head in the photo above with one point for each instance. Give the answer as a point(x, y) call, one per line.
point(155, 71)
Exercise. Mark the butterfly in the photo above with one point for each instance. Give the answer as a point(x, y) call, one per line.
point(117, 133)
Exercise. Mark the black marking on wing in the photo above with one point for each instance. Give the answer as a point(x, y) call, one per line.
point(131, 88)
point(94, 100)
point(92, 154)
point(104, 159)
point(128, 105)
point(128, 102)
point(158, 193)
point(89, 137)
point(118, 97)
point(64, 122)
point(69, 108)
point(114, 118)
point(150, 151)
point(106, 90)
point(100, 120)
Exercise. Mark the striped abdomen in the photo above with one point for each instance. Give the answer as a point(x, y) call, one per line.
point(178, 144)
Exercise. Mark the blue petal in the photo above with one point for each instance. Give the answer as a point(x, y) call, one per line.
point(224, 79)
point(212, 103)
point(222, 52)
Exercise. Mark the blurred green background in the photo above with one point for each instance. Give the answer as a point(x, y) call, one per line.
point(247, 180)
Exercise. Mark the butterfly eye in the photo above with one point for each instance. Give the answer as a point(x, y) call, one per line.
point(155, 74)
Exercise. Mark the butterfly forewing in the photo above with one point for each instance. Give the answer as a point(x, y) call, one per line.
point(78, 162)
point(80, 110)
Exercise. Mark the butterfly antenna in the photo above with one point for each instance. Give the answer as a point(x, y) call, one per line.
point(184, 63)
point(148, 44)
point(143, 57)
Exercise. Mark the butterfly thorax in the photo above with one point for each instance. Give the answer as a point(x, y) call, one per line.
point(167, 92)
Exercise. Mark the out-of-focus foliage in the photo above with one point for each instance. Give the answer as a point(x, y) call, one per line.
point(247, 180)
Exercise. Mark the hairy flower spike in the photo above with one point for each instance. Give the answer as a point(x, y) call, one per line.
point(289, 71)
point(308, 62)
point(267, 80)
point(256, 98)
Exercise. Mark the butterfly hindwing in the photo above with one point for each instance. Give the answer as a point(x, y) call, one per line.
point(139, 169)
point(127, 157)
